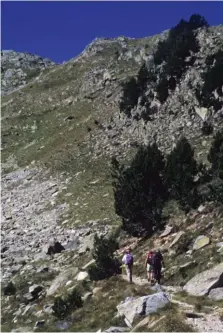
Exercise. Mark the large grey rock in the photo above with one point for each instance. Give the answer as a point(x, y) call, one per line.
point(19, 68)
point(200, 242)
point(142, 306)
point(35, 289)
point(87, 243)
point(216, 294)
point(202, 283)
point(88, 264)
point(177, 237)
point(81, 276)
point(73, 244)
point(61, 280)
point(87, 296)
point(202, 112)
point(39, 323)
point(167, 231)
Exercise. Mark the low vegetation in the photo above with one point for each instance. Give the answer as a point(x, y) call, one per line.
point(103, 253)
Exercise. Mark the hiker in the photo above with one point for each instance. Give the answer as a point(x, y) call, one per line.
point(128, 262)
point(158, 263)
point(149, 266)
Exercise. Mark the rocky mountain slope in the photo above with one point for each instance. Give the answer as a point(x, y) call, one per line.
point(60, 128)
point(18, 68)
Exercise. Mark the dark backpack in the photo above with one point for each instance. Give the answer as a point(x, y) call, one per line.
point(156, 259)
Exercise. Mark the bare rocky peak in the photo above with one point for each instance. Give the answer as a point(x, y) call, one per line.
point(18, 68)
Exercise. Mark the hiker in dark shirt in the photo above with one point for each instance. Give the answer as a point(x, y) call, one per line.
point(158, 263)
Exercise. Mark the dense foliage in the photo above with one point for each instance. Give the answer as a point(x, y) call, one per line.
point(215, 155)
point(181, 169)
point(213, 82)
point(139, 190)
point(63, 306)
point(103, 253)
point(142, 188)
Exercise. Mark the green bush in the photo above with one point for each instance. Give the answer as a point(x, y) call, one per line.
point(105, 263)
point(10, 289)
point(175, 54)
point(142, 78)
point(135, 88)
point(64, 306)
point(60, 308)
point(162, 90)
point(130, 96)
point(215, 155)
point(181, 168)
point(212, 190)
point(213, 81)
point(139, 191)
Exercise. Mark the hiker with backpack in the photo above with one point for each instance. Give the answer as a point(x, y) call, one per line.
point(128, 262)
point(158, 263)
point(149, 266)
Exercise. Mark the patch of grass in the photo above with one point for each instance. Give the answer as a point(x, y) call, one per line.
point(199, 302)
point(174, 321)
point(100, 310)
point(168, 319)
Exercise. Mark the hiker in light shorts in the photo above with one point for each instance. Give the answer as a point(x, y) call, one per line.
point(149, 266)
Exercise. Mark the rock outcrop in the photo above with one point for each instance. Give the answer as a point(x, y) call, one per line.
point(142, 306)
point(204, 282)
point(19, 68)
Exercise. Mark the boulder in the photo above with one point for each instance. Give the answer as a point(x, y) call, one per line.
point(202, 112)
point(87, 243)
point(176, 239)
point(81, 276)
point(61, 280)
point(202, 283)
point(216, 294)
point(39, 323)
point(48, 308)
point(167, 231)
point(203, 209)
point(73, 244)
point(142, 306)
point(200, 242)
point(96, 290)
point(87, 296)
point(35, 289)
point(187, 265)
point(88, 264)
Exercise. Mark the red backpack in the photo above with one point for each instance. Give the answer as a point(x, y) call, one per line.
point(149, 258)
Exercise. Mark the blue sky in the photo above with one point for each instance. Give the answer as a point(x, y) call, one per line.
point(61, 30)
